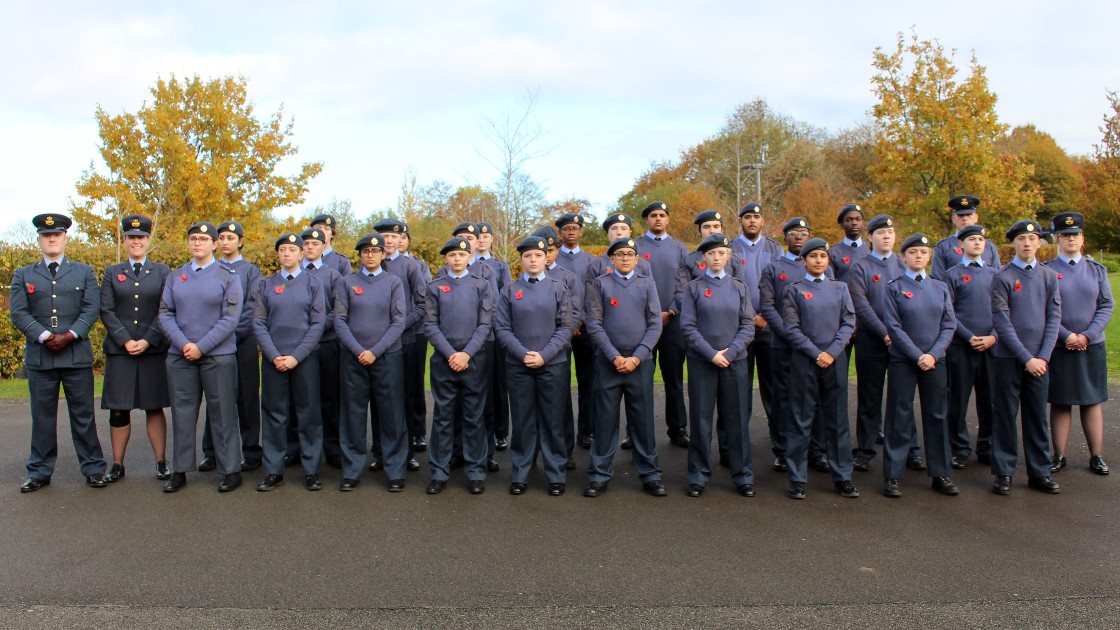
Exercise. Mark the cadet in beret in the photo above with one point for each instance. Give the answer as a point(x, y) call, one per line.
point(533, 323)
point(921, 323)
point(623, 318)
point(327, 224)
point(231, 240)
point(415, 288)
point(199, 312)
point(406, 243)
point(820, 321)
point(289, 313)
point(576, 260)
point(852, 248)
point(54, 303)
point(1027, 311)
point(754, 252)
point(458, 315)
point(575, 290)
point(969, 360)
point(330, 355)
point(369, 317)
point(717, 321)
point(499, 395)
point(1079, 371)
point(948, 251)
point(135, 347)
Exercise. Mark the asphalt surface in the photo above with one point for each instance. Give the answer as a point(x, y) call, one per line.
point(130, 555)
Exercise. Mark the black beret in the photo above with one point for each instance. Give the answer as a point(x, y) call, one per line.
point(1068, 223)
point(313, 234)
point(454, 245)
point(751, 208)
point(51, 223)
point(813, 244)
point(794, 223)
point(616, 218)
point(964, 204)
point(549, 234)
point(370, 240)
point(233, 227)
point(396, 226)
point(136, 225)
point(484, 228)
point(289, 239)
point(713, 241)
point(971, 230)
point(532, 244)
point(657, 205)
point(570, 218)
point(1026, 226)
point(467, 227)
point(324, 219)
point(205, 228)
point(915, 240)
point(879, 221)
point(846, 209)
point(621, 243)
point(708, 215)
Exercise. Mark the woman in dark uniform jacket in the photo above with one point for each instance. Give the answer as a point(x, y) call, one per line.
point(1078, 373)
point(135, 346)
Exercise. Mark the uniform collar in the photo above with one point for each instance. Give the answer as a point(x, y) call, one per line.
point(294, 274)
point(367, 273)
point(396, 255)
point(142, 261)
point(1023, 265)
point(451, 274)
point(526, 276)
point(914, 274)
point(196, 267)
point(48, 261)
point(564, 249)
point(791, 256)
point(879, 256)
point(237, 258)
point(663, 237)
point(966, 261)
point(721, 275)
point(1066, 260)
point(856, 243)
point(308, 263)
point(811, 278)
point(749, 242)
point(628, 275)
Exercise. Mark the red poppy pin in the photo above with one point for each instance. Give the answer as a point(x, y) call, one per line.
point(609, 270)
point(958, 250)
point(183, 278)
point(875, 278)
point(743, 261)
point(279, 288)
point(783, 277)
point(808, 295)
point(445, 288)
point(1018, 286)
point(121, 278)
point(518, 295)
point(702, 265)
point(908, 295)
point(614, 301)
point(707, 293)
point(645, 255)
point(846, 260)
point(1060, 276)
point(30, 288)
point(358, 291)
point(966, 278)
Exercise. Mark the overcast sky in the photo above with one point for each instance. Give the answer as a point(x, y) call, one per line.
point(378, 88)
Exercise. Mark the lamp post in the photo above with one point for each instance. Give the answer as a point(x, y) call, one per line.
point(757, 168)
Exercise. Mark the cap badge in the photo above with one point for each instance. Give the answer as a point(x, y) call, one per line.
point(1069, 220)
point(664, 207)
point(328, 221)
point(621, 217)
point(136, 223)
point(801, 223)
point(291, 238)
point(890, 222)
point(925, 240)
point(964, 202)
point(396, 228)
point(857, 207)
point(719, 216)
point(629, 243)
point(470, 228)
point(462, 245)
point(202, 228)
point(1030, 227)
point(49, 220)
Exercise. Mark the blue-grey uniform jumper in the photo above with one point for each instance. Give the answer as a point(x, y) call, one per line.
point(337, 261)
point(754, 256)
point(583, 353)
point(970, 289)
point(202, 305)
point(458, 317)
point(415, 355)
point(843, 255)
point(1081, 377)
point(575, 293)
point(330, 361)
point(130, 311)
point(43, 303)
point(948, 253)
point(288, 320)
point(369, 315)
point(623, 318)
point(1027, 311)
point(248, 367)
point(664, 255)
point(415, 288)
point(920, 321)
point(535, 316)
point(716, 314)
point(819, 318)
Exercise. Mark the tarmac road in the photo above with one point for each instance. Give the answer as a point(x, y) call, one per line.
point(130, 555)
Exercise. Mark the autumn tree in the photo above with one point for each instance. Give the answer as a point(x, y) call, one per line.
point(1054, 175)
point(196, 151)
point(1102, 183)
point(937, 137)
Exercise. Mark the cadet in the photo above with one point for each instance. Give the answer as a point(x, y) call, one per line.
point(921, 324)
point(289, 312)
point(199, 312)
point(664, 255)
point(459, 311)
point(851, 249)
point(717, 321)
point(54, 303)
point(969, 360)
point(135, 347)
point(754, 252)
point(369, 316)
point(576, 260)
point(867, 283)
point(575, 291)
point(623, 317)
point(499, 393)
point(329, 227)
point(231, 239)
point(948, 251)
point(1027, 311)
point(330, 355)
point(1080, 374)
point(533, 323)
point(415, 356)
point(820, 321)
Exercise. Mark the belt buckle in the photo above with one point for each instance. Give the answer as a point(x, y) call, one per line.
point(54, 321)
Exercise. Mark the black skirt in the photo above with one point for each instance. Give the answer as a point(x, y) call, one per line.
point(135, 382)
point(1078, 378)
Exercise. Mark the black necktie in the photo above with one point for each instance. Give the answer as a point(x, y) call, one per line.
point(818, 280)
point(311, 266)
point(918, 278)
point(136, 268)
point(1073, 262)
point(1029, 267)
point(534, 280)
point(53, 267)
point(974, 264)
point(291, 277)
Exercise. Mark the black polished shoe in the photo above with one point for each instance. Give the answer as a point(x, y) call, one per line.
point(724, 460)
point(847, 489)
point(32, 484)
point(1058, 464)
point(1097, 465)
point(375, 465)
point(249, 465)
point(820, 464)
point(230, 482)
point(891, 489)
point(501, 444)
point(796, 490)
point(163, 471)
point(584, 441)
point(115, 474)
point(879, 438)
point(348, 485)
point(456, 461)
point(916, 463)
point(476, 486)
point(945, 486)
point(679, 438)
point(334, 461)
point(289, 460)
point(97, 480)
point(413, 464)
point(436, 486)
point(861, 463)
point(312, 482)
point(984, 459)
point(655, 489)
point(396, 485)
point(176, 483)
point(1044, 484)
point(626, 444)
point(516, 488)
point(780, 464)
point(1002, 486)
point(694, 490)
point(555, 489)
point(207, 464)
point(492, 465)
point(746, 490)
point(959, 462)
point(570, 464)
point(419, 444)
point(595, 489)
point(270, 482)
